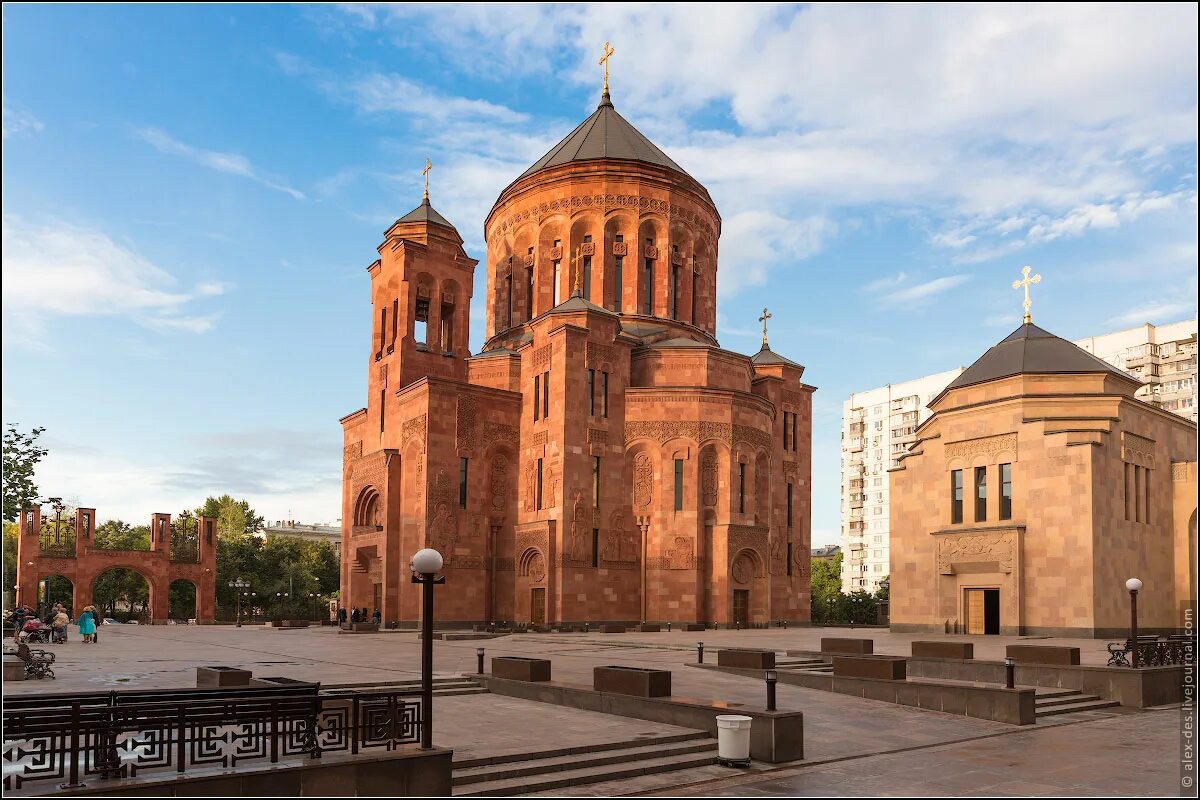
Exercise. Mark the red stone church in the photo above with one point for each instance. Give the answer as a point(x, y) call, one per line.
point(602, 458)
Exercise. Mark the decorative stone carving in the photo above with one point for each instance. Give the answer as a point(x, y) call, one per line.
point(620, 249)
point(988, 445)
point(441, 524)
point(498, 482)
point(538, 439)
point(415, 427)
point(747, 537)
point(682, 555)
point(597, 436)
point(1137, 449)
point(531, 487)
point(555, 253)
point(598, 354)
point(533, 565)
point(541, 358)
point(529, 260)
point(778, 555)
point(1179, 471)
point(790, 471)
point(578, 548)
point(643, 481)
point(975, 548)
point(697, 430)
point(676, 258)
point(492, 432)
point(587, 249)
point(651, 252)
point(742, 569)
point(465, 429)
point(708, 479)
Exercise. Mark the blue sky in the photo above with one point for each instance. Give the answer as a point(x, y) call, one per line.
point(191, 195)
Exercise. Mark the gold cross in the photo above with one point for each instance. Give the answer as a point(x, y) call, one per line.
point(575, 262)
point(763, 319)
point(608, 53)
point(425, 172)
point(1025, 282)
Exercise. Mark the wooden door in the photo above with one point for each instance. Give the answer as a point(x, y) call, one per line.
point(741, 607)
point(537, 606)
point(975, 612)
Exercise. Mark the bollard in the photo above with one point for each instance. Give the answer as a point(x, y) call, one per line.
point(738, 625)
point(785, 624)
point(699, 652)
point(585, 627)
point(668, 626)
point(479, 659)
point(772, 676)
point(1010, 669)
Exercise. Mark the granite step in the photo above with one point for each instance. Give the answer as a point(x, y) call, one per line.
point(1071, 708)
point(1041, 701)
point(596, 747)
point(544, 775)
point(542, 766)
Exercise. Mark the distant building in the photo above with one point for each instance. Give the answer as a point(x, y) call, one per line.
point(316, 532)
point(827, 553)
point(1162, 357)
point(877, 426)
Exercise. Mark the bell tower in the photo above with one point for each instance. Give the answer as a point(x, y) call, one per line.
point(421, 289)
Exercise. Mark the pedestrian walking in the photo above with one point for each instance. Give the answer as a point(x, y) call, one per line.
point(377, 617)
point(354, 617)
point(87, 624)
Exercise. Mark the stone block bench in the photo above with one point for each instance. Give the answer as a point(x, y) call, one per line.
point(359, 627)
point(635, 681)
point(520, 668)
point(854, 647)
point(746, 658)
point(612, 628)
point(882, 668)
point(650, 627)
point(220, 677)
point(694, 626)
point(1043, 654)
point(956, 650)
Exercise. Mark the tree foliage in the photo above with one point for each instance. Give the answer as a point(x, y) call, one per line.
point(235, 518)
point(831, 607)
point(21, 457)
point(11, 532)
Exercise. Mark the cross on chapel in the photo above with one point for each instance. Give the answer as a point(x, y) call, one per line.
point(763, 319)
point(1025, 283)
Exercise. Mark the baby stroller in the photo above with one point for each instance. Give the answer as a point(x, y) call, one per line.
point(58, 635)
point(35, 631)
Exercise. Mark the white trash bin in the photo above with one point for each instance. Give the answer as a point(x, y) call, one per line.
point(733, 740)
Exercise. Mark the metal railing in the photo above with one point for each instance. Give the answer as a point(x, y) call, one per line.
point(1153, 651)
point(108, 737)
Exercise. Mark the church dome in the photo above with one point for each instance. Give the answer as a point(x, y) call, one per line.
point(605, 134)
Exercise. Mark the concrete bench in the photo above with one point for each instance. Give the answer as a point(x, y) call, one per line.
point(220, 677)
point(854, 647)
point(1043, 654)
point(746, 659)
point(694, 626)
point(881, 668)
point(14, 668)
point(960, 651)
point(650, 627)
point(520, 668)
point(612, 628)
point(635, 681)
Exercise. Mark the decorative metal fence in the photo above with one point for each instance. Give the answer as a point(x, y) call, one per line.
point(1152, 652)
point(85, 738)
point(56, 539)
point(185, 538)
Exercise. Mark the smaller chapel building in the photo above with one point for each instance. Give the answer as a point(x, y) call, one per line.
point(1039, 485)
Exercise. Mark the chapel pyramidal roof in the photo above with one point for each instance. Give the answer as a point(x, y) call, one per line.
point(1030, 350)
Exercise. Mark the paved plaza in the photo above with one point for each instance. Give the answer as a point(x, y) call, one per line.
point(852, 746)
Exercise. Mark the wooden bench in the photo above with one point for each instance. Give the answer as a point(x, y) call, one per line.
point(38, 663)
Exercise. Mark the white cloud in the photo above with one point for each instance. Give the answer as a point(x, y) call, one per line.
point(229, 163)
point(1156, 312)
point(18, 122)
point(917, 294)
point(57, 268)
point(754, 242)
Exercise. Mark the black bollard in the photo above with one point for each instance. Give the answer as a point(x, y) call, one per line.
point(1010, 670)
point(479, 658)
point(772, 676)
point(699, 652)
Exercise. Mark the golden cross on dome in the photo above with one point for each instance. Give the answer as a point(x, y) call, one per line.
point(608, 53)
point(1026, 282)
point(763, 319)
point(425, 172)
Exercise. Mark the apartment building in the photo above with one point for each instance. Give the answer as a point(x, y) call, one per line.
point(877, 425)
point(1163, 357)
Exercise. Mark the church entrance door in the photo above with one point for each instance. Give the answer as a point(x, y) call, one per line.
point(537, 606)
point(741, 607)
point(983, 612)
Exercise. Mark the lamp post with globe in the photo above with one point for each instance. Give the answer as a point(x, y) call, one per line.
point(239, 586)
point(1134, 586)
point(425, 565)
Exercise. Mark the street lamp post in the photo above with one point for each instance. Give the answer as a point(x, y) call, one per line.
point(315, 597)
point(1134, 586)
point(425, 565)
point(239, 586)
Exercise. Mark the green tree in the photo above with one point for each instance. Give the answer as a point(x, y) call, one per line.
point(884, 591)
point(21, 457)
point(234, 517)
point(11, 532)
point(115, 534)
point(827, 598)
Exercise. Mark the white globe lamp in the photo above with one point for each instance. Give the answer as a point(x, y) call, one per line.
point(427, 561)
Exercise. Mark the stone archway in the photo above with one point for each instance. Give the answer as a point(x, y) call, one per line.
point(124, 593)
point(183, 601)
point(748, 599)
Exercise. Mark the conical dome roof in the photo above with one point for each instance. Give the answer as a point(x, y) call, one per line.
point(1031, 350)
point(604, 135)
point(426, 213)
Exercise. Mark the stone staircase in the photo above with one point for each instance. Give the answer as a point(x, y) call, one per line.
point(804, 665)
point(1052, 702)
point(548, 770)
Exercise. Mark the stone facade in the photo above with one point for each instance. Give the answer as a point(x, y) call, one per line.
point(545, 467)
point(1061, 557)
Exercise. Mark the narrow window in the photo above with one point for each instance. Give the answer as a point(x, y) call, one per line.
point(648, 298)
point(956, 496)
point(595, 547)
point(695, 287)
point(557, 281)
point(1146, 494)
point(587, 272)
point(1139, 478)
point(980, 494)
point(539, 485)
point(786, 429)
point(793, 431)
point(462, 483)
point(618, 278)
point(789, 506)
point(382, 330)
point(595, 481)
point(508, 301)
point(382, 408)
point(673, 302)
point(1006, 491)
point(604, 394)
point(421, 322)
point(591, 392)
point(1128, 492)
point(789, 559)
point(447, 337)
point(395, 318)
point(679, 484)
point(546, 395)
point(537, 396)
point(741, 488)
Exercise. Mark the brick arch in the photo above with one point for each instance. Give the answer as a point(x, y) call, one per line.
point(367, 508)
point(532, 565)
